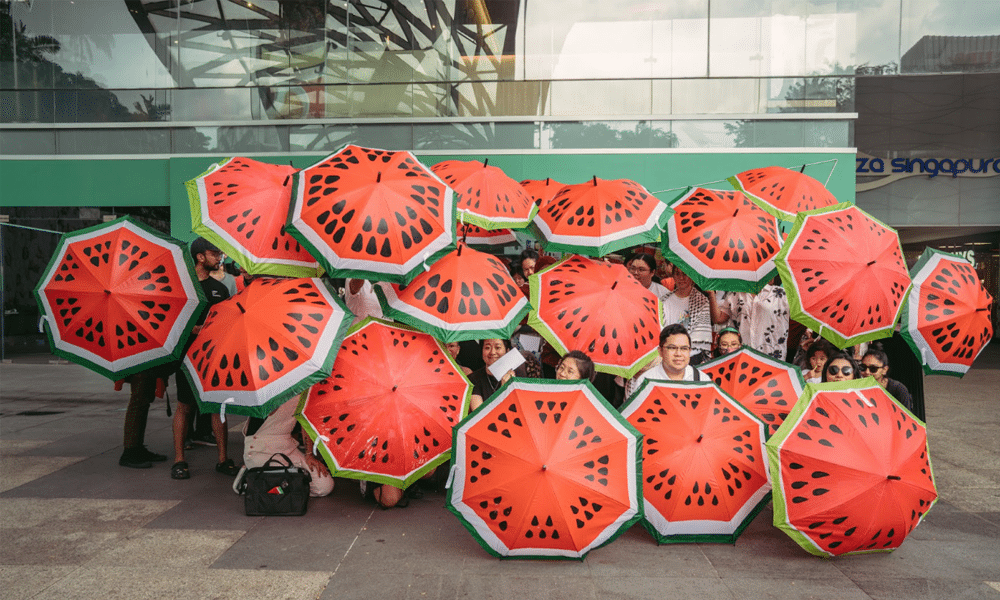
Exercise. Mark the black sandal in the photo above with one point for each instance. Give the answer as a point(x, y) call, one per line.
point(180, 471)
point(227, 467)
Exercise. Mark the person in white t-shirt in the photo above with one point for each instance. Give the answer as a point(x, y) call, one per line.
point(361, 300)
point(675, 360)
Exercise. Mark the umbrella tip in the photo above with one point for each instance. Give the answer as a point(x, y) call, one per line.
point(871, 263)
point(595, 180)
point(700, 437)
point(287, 179)
point(486, 162)
point(108, 292)
point(242, 310)
point(378, 177)
point(614, 284)
point(395, 387)
point(545, 467)
point(895, 477)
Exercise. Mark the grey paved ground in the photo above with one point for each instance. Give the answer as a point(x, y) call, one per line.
point(76, 525)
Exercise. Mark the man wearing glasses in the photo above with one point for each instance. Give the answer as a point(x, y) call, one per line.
point(675, 360)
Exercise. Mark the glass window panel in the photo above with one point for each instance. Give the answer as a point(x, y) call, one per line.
point(577, 39)
point(701, 134)
point(601, 97)
point(385, 100)
point(501, 98)
point(599, 134)
point(474, 136)
point(114, 141)
point(213, 104)
point(27, 142)
point(329, 138)
point(980, 199)
point(27, 107)
point(781, 38)
point(826, 134)
point(718, 96)
point(244, 140)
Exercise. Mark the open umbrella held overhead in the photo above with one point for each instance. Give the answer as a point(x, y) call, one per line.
point(947, 320)
point(851, 470)
point(241, 206)
point(599, 217)
point(119, 298)
point(487, 197)
point(783, 192)
point(545, 470)
point(266, 344)
point(598, 308)
point(467, 295)
point(845, 274)
point(722, 240)
point(372, 214)
point(386, 411)
point(705, 475)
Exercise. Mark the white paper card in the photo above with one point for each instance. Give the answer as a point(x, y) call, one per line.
point(507, 362)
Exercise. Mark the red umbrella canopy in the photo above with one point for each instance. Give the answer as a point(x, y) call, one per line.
point(948, 316)
point(703, 461)
point(372, 214)
point(476, 236)
point(241, 205)
point(119, 298)
point(599, 217)
point(266, 344)
point(851, 470)
point(763, 384)
point(467, 295)
point(487, 197)
point(542, 190)
point(845, 274)
point(386, 411)
point(547, 470)
point(783, 192)
point(597, 307)
point(722, 240)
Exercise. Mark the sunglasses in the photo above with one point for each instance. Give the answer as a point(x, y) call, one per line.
point(837, 370)
point(871, 368)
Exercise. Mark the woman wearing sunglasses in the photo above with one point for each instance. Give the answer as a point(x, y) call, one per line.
point(840, 366)
point(875, 363)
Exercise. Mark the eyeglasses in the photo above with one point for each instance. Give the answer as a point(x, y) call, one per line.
point(872, 368)
point(677, 348)
point(836, 370)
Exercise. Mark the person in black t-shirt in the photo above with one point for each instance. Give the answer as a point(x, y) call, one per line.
point(207, 258)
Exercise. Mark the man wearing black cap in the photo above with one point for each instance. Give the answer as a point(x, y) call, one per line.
point(207, 259)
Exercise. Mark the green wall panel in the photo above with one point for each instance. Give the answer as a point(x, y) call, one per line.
point(62, 182)
point(160, 182)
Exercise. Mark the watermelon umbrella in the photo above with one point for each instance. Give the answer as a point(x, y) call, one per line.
point(542, 190)
point(599, 217)
point(119, 298)
point(487, 197)
point(722, 240)
point(851, 470)
point(783, 192)
point(845, 274)
point(705, 476)
point(241, 205)
point(762, 383)
point(477, 237)
point(467, 295)
point(597, 307)
point(545, 470)
point(372, 214)
point(266, 344)
point(386, 412)
point(947, 319)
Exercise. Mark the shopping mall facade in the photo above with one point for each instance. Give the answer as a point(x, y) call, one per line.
point(108, 106)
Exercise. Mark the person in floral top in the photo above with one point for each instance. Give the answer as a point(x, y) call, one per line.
point(762, 319)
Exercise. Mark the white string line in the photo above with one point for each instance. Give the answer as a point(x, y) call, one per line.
point(354, 541)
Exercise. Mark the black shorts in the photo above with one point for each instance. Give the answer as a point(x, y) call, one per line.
point(185, 394)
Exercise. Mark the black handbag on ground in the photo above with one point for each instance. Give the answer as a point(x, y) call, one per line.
point(276, 489)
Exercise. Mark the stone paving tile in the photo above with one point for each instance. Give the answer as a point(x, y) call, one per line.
point(620, 558)
point(397, 586)
point(926, 589)
point(129, 583)
point(19, 470)
point(68, 531)
point(167, 548)
point(508, 586)
point(794, 589)
point(16, 447)
point(667, 586)
point(948, 522)
point(20, 582)
point(973, 559)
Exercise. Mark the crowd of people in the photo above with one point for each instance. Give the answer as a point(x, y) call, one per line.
point(699, 325)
